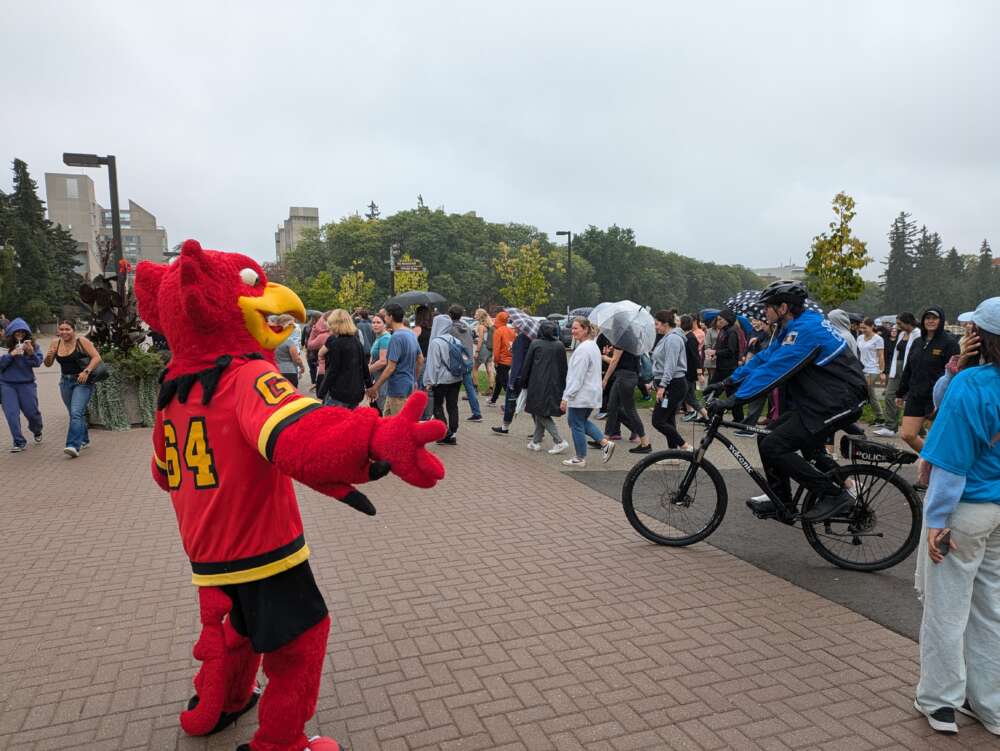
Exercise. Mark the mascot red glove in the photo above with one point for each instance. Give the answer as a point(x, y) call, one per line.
point(230, 435)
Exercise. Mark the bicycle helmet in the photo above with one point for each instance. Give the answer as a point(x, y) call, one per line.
point(785, 290)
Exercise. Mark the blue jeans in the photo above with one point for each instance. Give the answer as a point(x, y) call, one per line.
point(76, 396)
point(581, 428)
point(470, 390)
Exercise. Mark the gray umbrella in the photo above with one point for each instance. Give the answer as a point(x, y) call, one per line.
point(626, 325)
point(415, 297)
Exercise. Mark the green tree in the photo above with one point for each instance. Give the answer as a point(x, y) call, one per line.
point(523, 275)
point(355, 291)
point(899, 271)
point(928, 268)
point(835, 258)
point(986, 281)
point(321, 294)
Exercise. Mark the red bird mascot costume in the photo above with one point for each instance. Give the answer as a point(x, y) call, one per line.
point(230, 435)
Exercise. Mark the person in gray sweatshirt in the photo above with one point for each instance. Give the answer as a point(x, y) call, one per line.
point(670, 378)
point(439, 377)
point(461, 331)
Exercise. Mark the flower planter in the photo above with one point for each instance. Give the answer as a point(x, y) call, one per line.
point(119, 403)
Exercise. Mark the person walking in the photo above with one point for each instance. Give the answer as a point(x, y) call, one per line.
point(379, 357)
point(286, 355)
point(960, 629)
point(365, 330)
point(670, 374)
point(503, 356)
point(931, 353)
point(404, 362)
point(841, 322)
point(692, 352)
point(77, 358)
point(582, 394)
point(760, 341)
point(907, 333)
point(461, 331)
point(727, 353)
point(871, 352)
point(622, 377)
point(346, 374)
point(317, 338)
point(518, 350)
point(440, 376)
point(483, 354)
point(18, 387)
point(544, 377)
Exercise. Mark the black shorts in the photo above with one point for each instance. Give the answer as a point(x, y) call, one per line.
point(918, 406)
point(272, 612)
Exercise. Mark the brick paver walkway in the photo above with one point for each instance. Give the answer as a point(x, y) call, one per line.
point(510, 608)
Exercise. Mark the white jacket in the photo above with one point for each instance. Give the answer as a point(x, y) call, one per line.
point(914, 335)
point(583, 380)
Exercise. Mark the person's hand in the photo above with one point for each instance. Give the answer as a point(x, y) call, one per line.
point(970, 349)
point(28, 349)
point(54, 347)
point(604, 384)
point(714, 388)
point(82, 378)
point(923, 471)
point(933, 549)
point(659, 394)
point(563, 406)
point(717, 406)
point(899, 402)
point(881, 379)
point(371, 393)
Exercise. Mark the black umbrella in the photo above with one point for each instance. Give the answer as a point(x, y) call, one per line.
point(415, 297)
point(745, 303)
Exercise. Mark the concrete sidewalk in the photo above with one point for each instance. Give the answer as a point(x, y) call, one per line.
point(509, 608)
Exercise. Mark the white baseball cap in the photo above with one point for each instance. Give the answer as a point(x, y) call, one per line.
point(987, 315)
point(966, 317)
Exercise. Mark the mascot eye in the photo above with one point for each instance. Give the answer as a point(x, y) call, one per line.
point(249, 277)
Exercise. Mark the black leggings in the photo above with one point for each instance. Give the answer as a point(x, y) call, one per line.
point(446, 396)
point(621, 405)
point(500, 382)
point(665, 418)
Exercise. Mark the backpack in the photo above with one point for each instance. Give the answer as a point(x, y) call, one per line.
point(645, 368)
point(459, 360)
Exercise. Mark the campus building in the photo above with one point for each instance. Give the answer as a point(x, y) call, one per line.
point(290, 231)
point(774, 273)
point(71, 202)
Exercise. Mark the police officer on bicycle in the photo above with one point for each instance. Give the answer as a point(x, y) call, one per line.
point(823, 390)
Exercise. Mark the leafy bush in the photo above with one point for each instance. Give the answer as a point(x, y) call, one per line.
point(36, 312)
point(136, 364)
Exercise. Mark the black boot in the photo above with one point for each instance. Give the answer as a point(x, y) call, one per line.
point(829, 505)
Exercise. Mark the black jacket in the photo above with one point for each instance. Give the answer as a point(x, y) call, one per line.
point(347, 374)
point(727, 352)
point(928, 358)
point(544, 375)
point(693, 360)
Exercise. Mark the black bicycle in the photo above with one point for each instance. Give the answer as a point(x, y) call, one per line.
point(679, 498)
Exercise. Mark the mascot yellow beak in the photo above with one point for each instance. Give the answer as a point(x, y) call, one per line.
point(275, 301)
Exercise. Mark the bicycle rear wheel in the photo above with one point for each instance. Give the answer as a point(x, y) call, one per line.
point(880, 530)
point(654, 507)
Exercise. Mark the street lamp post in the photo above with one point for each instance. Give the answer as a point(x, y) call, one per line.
point(569, 265)
point(93, 160)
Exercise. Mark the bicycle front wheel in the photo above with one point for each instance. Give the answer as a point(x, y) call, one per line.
point(657, 509)
point(880, 530)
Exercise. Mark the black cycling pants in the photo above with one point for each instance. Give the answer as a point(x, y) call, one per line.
point(780, 454)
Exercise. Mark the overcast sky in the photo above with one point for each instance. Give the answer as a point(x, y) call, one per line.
point(719, 130)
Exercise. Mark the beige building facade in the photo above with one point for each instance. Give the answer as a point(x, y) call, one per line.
point(290, 231)
point(71, 202)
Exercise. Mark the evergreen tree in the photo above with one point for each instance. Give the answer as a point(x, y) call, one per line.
point(985, 281)
point(928, 267)
point(953, 282)
point(899, 272)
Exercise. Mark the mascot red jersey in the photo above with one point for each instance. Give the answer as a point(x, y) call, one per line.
point(230, 435)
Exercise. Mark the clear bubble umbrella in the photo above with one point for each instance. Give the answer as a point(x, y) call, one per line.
point(627, 325)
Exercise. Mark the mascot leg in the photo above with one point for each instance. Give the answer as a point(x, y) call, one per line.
point(293, 674)
point(225, 683)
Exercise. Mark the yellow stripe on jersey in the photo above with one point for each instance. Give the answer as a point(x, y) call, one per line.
point(160, 463)
point(280, 414)
point(252, 574)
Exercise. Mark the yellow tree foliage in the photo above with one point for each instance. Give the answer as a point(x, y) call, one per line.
point(835, 258)
point(355, 291)
point(524, 273)
point(405, 281)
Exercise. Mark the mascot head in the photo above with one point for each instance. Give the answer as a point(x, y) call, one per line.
point(208, 303)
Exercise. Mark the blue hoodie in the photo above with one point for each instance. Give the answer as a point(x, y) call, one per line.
point(19, 368)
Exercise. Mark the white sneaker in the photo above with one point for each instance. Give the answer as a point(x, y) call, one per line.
point(575, 462)
point(532, 446)
point(72, 452)
point(942, 720)
point(559, 447)
point(762, 497)
point(967, 710)
point(601, 415)
point(607, 450)
point(885, 432)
